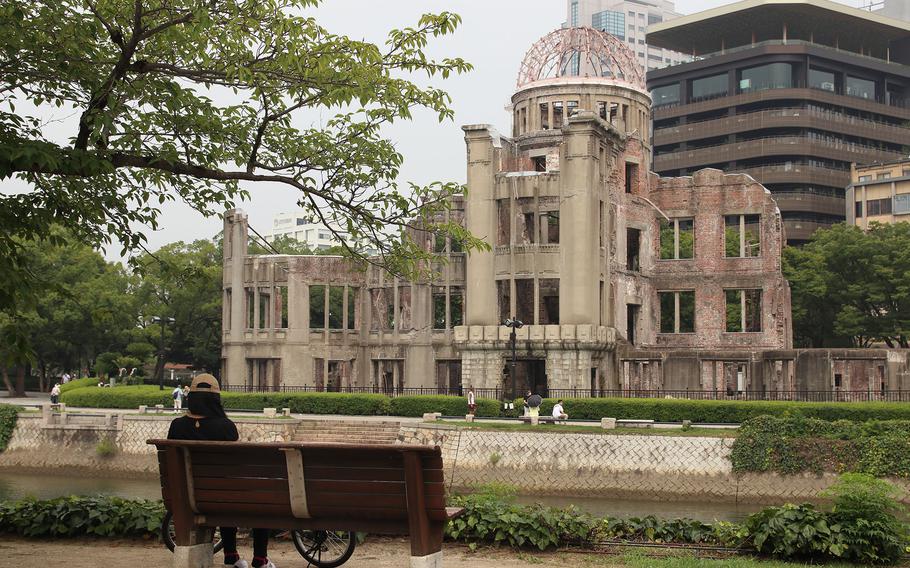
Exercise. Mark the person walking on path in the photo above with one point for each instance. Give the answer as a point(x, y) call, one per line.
point(472, 403)
point(55, 393)
point(207, 420)
point(177, 395)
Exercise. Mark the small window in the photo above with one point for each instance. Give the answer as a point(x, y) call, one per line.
point(572, 108)
point(558, 116)
point(551, 218)
point(602, 110)
point(439, 311)
point(631, 177)
point(633, 245)
point(456, 307)
point(352, 307)
point(336, 307)
point(540, 163)
point(677, 239)
point(317, 307)
point(743, 311)
point(677, 312)
point(863, 179)
point(439, 244)
point(250, 308)
point(859, 209)
point(544, 116)
point(281, 306)
point(529, 228)
point(838, 380)
point(885, 175)
point(742, 236)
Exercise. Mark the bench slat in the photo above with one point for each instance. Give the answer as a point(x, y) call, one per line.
point(354, 502)
point(231, 458)
point(242, 470)
point(269, 497)
point(373, 526)
point(369, 487)
point(371, 513)
point(239, 484)
point(255, 509)
point(355, 474)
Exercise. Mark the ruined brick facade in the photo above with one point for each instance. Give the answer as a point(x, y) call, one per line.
point(622, 279)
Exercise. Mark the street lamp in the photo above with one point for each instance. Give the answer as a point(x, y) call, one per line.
point(163, 322)
point(513, 324)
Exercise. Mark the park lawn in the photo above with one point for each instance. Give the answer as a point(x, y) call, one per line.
point(573, 429)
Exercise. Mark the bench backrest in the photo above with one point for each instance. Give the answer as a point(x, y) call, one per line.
point(334, 486)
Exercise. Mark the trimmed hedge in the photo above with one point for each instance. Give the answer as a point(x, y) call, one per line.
point(8, 416)
point(447, 405)
point(78, 384)
point(306, 403)
point(722, 411)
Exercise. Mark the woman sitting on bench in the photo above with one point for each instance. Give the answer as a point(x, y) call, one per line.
point(207, 420)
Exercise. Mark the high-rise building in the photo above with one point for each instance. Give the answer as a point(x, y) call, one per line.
point(301, 227)
point(791, 92)
point(898, 9)
point(628, 20)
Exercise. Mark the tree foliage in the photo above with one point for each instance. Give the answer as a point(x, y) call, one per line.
point(181, 100)
point(851, 287)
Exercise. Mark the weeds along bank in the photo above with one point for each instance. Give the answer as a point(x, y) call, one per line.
point(861, 524)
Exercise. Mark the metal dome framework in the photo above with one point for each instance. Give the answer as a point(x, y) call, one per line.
point(581, 52)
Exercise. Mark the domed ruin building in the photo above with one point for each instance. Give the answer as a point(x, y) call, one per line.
point(624, 281)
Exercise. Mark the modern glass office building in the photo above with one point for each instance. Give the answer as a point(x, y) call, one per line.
point(790, 92)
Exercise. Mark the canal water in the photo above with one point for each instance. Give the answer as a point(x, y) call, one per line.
point(18, 485)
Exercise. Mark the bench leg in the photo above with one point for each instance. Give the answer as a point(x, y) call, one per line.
point(195, 556)
point(430, 561)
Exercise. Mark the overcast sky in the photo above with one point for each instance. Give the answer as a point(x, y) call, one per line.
point(494, 37)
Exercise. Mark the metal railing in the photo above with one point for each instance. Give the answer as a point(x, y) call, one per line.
point(687, 394)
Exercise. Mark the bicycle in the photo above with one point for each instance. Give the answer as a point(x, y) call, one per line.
point(323, 549)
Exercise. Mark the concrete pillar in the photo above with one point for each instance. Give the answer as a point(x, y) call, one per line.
point(235, 253)
point(484, 147)
point(579, 285)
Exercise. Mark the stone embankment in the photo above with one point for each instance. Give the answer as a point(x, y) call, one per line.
point(545, 463)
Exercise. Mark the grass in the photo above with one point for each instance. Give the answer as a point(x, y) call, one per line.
point(572, 429)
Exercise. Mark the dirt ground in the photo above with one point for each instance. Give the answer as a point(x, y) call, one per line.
point(375, 553)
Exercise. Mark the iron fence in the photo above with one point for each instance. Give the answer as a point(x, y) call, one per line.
point(688, 394)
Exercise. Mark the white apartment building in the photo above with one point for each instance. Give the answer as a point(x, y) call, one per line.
point(628, 20)
point(299, 226)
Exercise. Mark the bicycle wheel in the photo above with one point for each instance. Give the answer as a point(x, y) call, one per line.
point(325, 549)
point(167, 534)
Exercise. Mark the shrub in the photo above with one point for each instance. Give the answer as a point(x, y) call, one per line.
point(79, 516)
point(795, 531)
point(78, 384)
point(106, 448)
point(122, 397)
point(416, 406)
point(794, 444)
point(8, 416)
point(869, 515)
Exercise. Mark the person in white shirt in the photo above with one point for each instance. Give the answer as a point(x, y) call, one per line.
point(472, 403)
point(559, 412)
point(55, 393)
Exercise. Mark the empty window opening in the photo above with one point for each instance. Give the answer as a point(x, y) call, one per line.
point(549, 225)
point(572, 108)
point(558, 116)
point(524, 299)
point(734, 378)
point(677, 239)
point(743, 311)
point(528, 234)
point(633, 249)
point(317, 307)
point(439, 311)
point(614, 112)
point(742, 235)
point(548, 312)
point(503, 292)
point(503, 207)
point(439, 245)
point(250, 308)
point(378, 309)
point(352, 308)
point(281, 307)
point(631, 177)
point(632, 311)
point(390, 315)
point(838, 380)
point(336, 307)
point(544, 116)
point(540, 163)
point(602, 110)
point(456, 307)
point(677, 312)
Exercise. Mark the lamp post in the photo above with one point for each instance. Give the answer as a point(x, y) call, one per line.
point(163, 322)
point(513, 324)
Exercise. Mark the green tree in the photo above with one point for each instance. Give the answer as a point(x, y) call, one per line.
point(185, 100)
point(183, 281)
point(851, 287)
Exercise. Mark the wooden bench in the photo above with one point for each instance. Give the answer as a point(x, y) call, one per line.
point(542, 419)
point(380, 489)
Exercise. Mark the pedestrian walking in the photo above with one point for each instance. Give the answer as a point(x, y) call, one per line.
point(472, 403)
point(55, 393)
point(177, 395)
